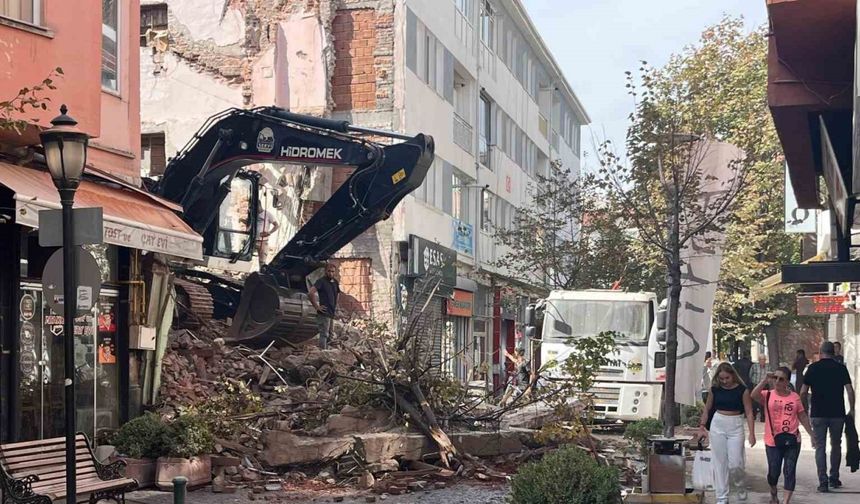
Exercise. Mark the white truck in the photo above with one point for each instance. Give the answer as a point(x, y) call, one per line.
point(629, 391)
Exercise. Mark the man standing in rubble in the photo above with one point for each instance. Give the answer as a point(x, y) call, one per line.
point(323, 296)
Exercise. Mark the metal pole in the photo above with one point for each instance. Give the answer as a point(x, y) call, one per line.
point(67, 197)
point(180, 487)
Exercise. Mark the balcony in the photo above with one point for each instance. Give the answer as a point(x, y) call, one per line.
point(462, 133)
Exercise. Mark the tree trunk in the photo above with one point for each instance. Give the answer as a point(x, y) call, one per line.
point(671, 347)
point(773, 350)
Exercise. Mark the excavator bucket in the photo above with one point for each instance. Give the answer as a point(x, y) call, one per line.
point(269, 313)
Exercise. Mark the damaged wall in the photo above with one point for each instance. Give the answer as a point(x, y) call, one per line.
point(318, 57)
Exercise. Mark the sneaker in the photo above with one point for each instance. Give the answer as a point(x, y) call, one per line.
point(823, 488)
point(835, 483)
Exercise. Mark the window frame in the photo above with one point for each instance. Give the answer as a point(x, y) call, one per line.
point(487, 24)
point(38, 11)
point(119, 48)
point(485, 127)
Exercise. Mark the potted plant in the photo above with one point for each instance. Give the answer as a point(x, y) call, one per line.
point(139, 443)
point(188, 441)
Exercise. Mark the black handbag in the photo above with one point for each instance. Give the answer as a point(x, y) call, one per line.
point(783, 440)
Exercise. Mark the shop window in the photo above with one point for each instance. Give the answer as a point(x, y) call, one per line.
point(110, 45)
point(28, 11)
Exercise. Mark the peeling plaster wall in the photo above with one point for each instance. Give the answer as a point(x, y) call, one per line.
point(176, 99)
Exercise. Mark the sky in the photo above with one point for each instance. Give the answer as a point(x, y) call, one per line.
point(596, 41)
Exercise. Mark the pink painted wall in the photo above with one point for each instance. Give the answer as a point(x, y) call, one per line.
point(70, 38)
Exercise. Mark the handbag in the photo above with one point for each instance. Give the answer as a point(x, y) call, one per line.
point(783, 440)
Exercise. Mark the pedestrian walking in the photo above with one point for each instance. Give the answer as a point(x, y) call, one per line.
point(758, 373)
point(784, 415)
point(798, 367)
point(837, 355)
point(827, 379)
point(728, 406)
point(743, 366)
point(707, 375)
point(323, 296)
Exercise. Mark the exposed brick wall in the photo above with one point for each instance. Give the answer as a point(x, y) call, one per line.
point(356, 285)
point(354, 80)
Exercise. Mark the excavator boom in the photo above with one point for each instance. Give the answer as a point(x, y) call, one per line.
point(273, 303)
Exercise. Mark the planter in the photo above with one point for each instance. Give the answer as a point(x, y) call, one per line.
point(143, 470)
point(198, 470)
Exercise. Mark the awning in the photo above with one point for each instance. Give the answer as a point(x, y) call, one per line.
point(774, 282)
point(132, 218)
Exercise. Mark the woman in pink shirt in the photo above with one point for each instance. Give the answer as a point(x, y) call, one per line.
point(784, 414)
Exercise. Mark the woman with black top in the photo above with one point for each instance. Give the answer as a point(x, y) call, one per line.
point(727, 407)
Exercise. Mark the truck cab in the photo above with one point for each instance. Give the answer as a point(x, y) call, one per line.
point(630, 390)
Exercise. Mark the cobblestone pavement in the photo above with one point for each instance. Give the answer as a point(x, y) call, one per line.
point(463, 493)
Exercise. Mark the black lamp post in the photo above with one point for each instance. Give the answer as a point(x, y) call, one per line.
point(66, 154)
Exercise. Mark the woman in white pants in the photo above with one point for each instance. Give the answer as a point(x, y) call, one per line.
point(728, 406)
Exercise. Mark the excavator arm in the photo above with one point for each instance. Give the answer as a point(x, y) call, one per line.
point(201, 175)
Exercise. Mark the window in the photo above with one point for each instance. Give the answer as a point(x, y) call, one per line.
point(153, 157)
point(488, 25)
point(29, 11)
point(487, 211)
point(464, 6)
point(485, 118)
point(152, 17)
point(460, 196)
point(110, 45)
point(430, 60)
point(427, 191)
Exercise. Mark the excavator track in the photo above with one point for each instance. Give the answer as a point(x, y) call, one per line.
point(195, 303)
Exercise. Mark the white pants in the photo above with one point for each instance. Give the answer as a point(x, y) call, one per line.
point(727, 444)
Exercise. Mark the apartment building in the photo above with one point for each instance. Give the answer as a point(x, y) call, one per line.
point(475, 75)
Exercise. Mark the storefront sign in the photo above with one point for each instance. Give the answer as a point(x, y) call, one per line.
point(427, 258)
point(797, 220)
point(460, 303)
point(823, 304)
point(89, 279)
point(141, 236)
point(464, 237)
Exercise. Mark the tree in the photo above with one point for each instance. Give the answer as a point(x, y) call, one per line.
point(26, 100)
point(566, 237)
point(663, 189)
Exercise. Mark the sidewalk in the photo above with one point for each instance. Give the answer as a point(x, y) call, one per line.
point(807, 477)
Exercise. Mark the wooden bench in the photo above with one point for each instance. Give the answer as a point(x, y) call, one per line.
point(34, 472)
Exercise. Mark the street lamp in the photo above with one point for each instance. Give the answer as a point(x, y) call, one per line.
point(66, 154)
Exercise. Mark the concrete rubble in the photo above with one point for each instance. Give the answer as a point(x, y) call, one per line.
point(307, 426)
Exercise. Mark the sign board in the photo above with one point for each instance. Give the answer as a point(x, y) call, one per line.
point(825, 303)
point(836, 190)
point(87, 227)
point(463, 237)
point(89, 282)
point(797, 220)
point(428, 258)
point(460, 303)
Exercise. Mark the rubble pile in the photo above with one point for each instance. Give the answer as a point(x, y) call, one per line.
point(350, 415)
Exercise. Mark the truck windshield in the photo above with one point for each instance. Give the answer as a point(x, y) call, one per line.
point(577, 318)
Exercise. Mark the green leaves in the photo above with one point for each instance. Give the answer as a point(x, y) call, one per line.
point(27, 99)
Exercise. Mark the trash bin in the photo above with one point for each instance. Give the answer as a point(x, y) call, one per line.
point(667, 465)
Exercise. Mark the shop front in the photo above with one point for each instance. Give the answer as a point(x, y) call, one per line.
point(31, 333)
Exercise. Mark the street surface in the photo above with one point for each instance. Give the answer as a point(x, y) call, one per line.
point(470, 493)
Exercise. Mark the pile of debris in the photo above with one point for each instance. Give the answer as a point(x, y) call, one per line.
point(354, 416)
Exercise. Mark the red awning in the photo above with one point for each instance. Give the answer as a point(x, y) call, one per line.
point(132, 218)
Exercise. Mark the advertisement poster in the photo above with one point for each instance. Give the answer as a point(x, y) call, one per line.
point(107, 334)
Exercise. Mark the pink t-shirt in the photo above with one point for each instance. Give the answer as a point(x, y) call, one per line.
point(782, 413)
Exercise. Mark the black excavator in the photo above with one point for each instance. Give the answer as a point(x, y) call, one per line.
point(272, 305)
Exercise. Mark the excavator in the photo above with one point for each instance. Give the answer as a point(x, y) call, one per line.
point(272, 306)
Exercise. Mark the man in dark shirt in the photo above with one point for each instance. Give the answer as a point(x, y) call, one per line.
point(827, 378)
point(323, 296)
point(743, 366)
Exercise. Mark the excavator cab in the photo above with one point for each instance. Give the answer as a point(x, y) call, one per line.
point(233, 235)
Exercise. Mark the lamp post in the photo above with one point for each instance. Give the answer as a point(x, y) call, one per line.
point(66, 154)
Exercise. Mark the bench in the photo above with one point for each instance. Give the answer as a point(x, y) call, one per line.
point(34, 472)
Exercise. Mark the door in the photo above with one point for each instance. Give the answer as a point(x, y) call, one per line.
point(40, 367)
